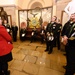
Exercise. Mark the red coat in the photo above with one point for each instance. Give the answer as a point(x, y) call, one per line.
point(5, 41)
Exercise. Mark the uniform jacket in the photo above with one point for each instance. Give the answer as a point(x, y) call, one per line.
point(14, 30)
point(52, 28)
point(67, 28)
point(35, 32)
point(8, 28)
point(5, 41)
point(23, 31)
point(67, 31)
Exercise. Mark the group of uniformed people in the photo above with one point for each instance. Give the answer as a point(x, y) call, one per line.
point(50, 34)
point(68, 40)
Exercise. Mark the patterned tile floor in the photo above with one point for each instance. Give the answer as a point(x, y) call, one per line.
point(31, 59)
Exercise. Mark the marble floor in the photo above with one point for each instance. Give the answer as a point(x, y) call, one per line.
point(31, 59)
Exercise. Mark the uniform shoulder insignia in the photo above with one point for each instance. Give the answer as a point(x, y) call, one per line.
point(54, 25)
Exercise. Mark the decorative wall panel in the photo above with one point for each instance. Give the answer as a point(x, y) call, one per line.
point(35, 17)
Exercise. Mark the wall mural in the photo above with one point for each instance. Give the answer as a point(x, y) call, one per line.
point(35, 17)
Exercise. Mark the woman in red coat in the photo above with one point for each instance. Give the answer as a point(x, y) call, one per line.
point(5, 50)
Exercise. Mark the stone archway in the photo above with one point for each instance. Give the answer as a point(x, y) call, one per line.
point(33, 4)
point(36, 4)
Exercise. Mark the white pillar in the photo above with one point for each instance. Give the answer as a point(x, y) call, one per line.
point(54, 7)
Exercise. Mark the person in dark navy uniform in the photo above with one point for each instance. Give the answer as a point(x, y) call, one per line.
point(14, 32)
point(59, 27)
point(62, 33)
point(34, 34)
point(23, 31)
point(68, 39)
point(23, 34)
point(42, 34)
point(51, 31)
point(7, 26)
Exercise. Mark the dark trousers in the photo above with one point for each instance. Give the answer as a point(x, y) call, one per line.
point(14, 37)
point(3, 68)
point(33, 38)
point(22, 38)
point(58, 41)
point(54, 41)
point(70, 56)
point(42, 38)
point(49, 46)
point(4, 63)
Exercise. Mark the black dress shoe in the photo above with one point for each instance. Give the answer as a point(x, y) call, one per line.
point(64, 67)
point(30, 41)
point(49, 52)
point(2, 73)
point(8, 72)
point(46, 50)
point(64, 54)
